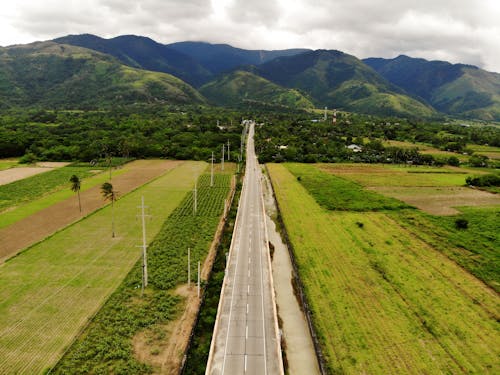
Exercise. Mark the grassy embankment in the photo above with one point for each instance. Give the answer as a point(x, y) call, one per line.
point(49, 291)
point(383, 300)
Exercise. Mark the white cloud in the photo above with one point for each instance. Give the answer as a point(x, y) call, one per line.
point(454, 30)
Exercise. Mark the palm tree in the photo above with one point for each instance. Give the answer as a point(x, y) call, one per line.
point(110, 195)
point(75, 187)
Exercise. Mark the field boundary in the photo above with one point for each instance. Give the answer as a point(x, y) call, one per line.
point(298, 283)
point(211, 259)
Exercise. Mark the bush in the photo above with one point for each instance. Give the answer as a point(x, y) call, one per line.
point(453, 161)
point(461, 223)
point(28, 158)
point(484, 180)
point(478, 161)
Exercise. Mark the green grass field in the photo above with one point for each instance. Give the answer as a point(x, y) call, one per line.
point(348, 196)
point(50, 290)
point(384, 300)
point(476, 248)
point(392, 175)
point(34, 187)
point(8, 163)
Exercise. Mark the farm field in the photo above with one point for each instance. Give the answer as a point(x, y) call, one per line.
point(35, 226)
point(30, 207)
point(435, 190)
point(135, 334)
point(385, 300)
point(489, 151)
point(8, 175)
point(30, 188)
point(49, 291)
point(426, 149)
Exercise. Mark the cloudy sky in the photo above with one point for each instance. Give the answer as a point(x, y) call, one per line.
point(466, 31)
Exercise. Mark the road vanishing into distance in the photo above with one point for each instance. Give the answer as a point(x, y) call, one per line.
point(246, 336)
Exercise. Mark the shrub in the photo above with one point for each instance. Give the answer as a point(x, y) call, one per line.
point(461, 223)
point(453, 161)
point(484, 180)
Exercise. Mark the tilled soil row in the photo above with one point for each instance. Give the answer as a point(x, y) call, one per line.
point(42, 224)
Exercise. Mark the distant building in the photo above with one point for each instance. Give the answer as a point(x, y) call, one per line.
point(355, 148)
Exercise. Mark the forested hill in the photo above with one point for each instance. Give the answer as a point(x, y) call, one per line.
point(144, 53)
point(457, 89)
point(339, 80)
point(242, 88)
point(52, 75)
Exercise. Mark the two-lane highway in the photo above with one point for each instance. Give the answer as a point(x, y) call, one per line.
point(246, 337)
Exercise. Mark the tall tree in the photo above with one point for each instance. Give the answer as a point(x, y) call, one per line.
point(75, 187)
point(110, 195)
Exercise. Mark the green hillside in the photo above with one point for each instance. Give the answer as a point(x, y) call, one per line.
point(48, 74)
point(456, 89)
point(240, 87)
point(339, 80)
point(476, 94)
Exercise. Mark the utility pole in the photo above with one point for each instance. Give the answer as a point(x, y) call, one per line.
point(198, 279)
point(325, 113)
point(195, 198)
point(189, 267)
point(228, 154)
point(222, 159)
point(144, 247)
point(212, 171)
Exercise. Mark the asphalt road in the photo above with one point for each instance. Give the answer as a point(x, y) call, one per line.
point(245, 337)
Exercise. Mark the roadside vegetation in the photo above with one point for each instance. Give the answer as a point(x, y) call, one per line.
point(197, 355)
point(385, 296)
point(106, 345)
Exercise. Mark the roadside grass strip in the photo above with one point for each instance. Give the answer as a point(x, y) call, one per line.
point(49, 292)
point(384, 301)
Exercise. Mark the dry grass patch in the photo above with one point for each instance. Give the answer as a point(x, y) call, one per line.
point(440, 200)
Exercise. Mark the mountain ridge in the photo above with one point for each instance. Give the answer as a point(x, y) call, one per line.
point(64, 76)
point(456, 89)
point(403, 86)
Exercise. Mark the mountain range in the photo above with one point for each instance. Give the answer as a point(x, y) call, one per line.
point(89, 71)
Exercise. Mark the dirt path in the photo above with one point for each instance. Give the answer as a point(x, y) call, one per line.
point(299, 347)
point(38, 226)
point(13, 174)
